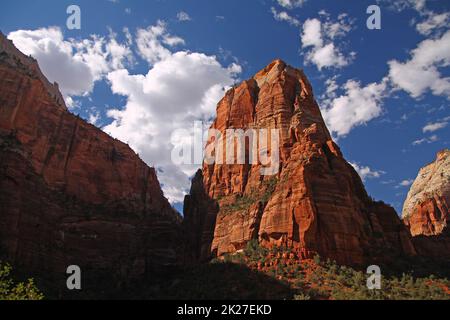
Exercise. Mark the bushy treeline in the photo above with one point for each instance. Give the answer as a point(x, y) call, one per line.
point(318, 279)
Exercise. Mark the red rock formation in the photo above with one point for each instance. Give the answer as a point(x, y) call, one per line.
point(427, 208)
point(316, 203)
point(71, 194)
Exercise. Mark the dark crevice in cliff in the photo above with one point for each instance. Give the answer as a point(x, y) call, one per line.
point(329, 156)
point(255, 96)
point(295, 229)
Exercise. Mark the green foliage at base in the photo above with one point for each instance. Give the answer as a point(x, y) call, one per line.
point(316, 279)
point(11, 290)
point(244, 202)
point(344, 283)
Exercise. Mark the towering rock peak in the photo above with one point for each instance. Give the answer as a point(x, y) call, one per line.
point(427, 207)
point(315, 202)
point(278, 69)
point(10, 55)
point(269, 73)
point(72, 195)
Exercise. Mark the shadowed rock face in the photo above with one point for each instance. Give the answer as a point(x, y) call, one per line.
point(427, 207)
point(316, 203)
point(71, 194)
point(198, 224)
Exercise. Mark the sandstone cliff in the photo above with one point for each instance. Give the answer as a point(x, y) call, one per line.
point(427, 207)
point(426, 210)
point(316, 203)
point(72, 195)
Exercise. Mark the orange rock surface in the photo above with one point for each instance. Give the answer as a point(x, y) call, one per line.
point(316, 203)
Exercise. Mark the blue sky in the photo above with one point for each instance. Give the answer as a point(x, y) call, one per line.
point(384, 93)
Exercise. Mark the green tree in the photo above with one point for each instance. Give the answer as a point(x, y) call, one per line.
point(10, 290)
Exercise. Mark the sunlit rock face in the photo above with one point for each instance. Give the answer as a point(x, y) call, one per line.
point(315, 202)
point(427, 208)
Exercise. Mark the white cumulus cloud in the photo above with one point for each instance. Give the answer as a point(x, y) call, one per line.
point(153, 41)
point(365, 172)
point(421, 73)
point(357, 106)
point(320, 40)
point(312, 33)
point(284, 16)
point(183, 16)
point(405, 183)
point(433, 21)
point(179, 88)
point(74, 64)
point(94, 117)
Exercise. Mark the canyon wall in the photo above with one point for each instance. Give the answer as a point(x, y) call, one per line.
point(72, 195)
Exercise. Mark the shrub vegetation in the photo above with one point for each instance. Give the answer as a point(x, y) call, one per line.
point(11, 290)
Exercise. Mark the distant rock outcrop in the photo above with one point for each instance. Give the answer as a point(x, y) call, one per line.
point(427, 207)
point(315, 203)
point(72, 195)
